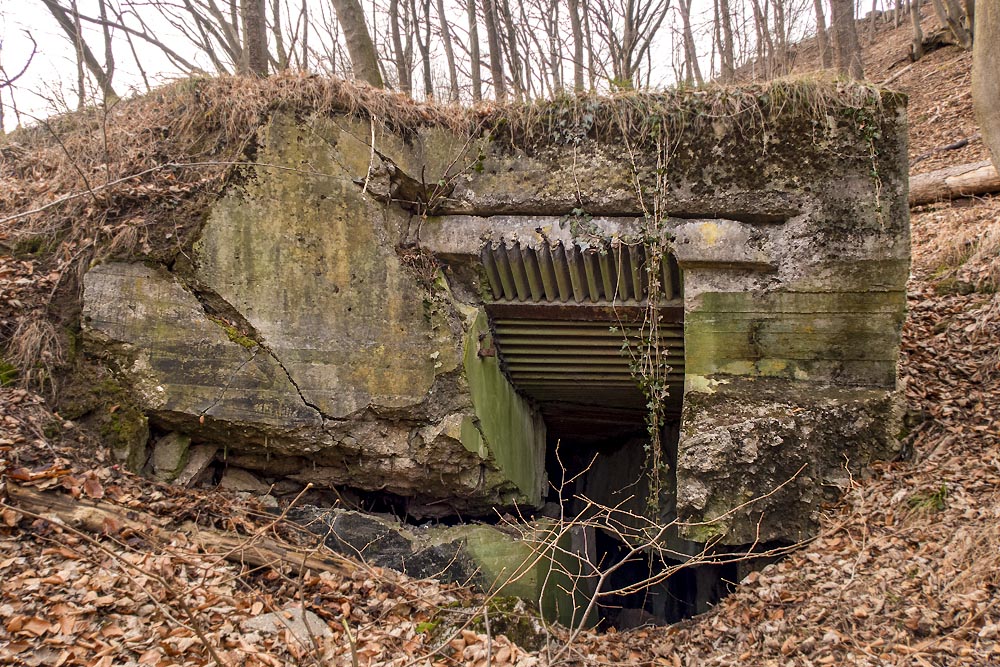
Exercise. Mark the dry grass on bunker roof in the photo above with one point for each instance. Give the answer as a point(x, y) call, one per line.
point(202, 116)
point(644, 117)
point(120, 162)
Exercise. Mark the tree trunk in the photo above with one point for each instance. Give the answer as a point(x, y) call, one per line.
point(848, 50)
point(690, 50)
point(985, 83)
point(254, 37)
point(555, 63)
point(304, 65)
point(917, 45)
point(364, 58)
point(780, 35)
point(496, 57)
point(448, 52)
point(577, 25)
point(951, 17)
point(423, 45)
point(81, 77)
point(109, 54)
point(967, 180)
point(281, 53)
point(822, 36)
point(399, 55)
point(503, 9)
point(727, 51)
point(588, 37)
point(477, 80)
point(765, 46)
point(872, 22)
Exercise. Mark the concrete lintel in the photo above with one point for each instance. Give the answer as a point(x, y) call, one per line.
point(465, 234)
point(701, 241)
point(724, 244)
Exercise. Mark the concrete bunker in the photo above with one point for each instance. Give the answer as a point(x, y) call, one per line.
point(420, 311)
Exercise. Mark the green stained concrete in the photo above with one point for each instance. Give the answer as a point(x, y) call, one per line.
point(511, 429)
point(525, 568)
point(310, 261)
point(798, 335)
point(183, 361)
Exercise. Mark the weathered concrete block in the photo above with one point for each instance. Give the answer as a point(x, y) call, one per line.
point(535, 563)
point(170, 456)
point(757, 459)
point(300, 335)
point(316, 334)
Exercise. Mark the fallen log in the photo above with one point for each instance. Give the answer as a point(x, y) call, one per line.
point(955, 145)
point(100, 517)
point(967, 180)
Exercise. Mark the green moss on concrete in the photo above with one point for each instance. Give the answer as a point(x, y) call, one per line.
point(532, 567)
point(104, 405)
point(511, 616)
point(819, 336)
point(513, 432)
point(311, 262)
point(234, 334)
point(8, 373)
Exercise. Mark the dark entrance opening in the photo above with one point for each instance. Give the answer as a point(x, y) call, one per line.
point(601, 484)
point(569, 322)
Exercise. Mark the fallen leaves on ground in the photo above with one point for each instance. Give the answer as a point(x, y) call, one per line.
point(905, 571)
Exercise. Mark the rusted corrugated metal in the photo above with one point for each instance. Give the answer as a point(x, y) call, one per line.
point(581, 365)
point(570, 321)
point(599, 271)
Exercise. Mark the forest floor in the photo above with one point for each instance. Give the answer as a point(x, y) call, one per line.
point(905, 570)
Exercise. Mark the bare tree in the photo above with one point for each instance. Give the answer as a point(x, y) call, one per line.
point(690, 50)
point(627, 28)
point(422, 21)
point(848, 50)
point(954, 18)
point(917, 44)
point(449, 52)
point(496, 56)
point(476, 71)
point(724, 38)
point(254, 60)
point(7, 80)
point(985, 85)
point(364, 57)
point(513, 51)
point(109, 54)
point(576, 23)
point(765, 46)
point(400, 59)
point(81, 76)
point(822, 36)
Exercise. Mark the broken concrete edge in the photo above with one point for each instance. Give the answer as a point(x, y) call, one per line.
point(746, 472)
point(213, 418)
point(533, 561)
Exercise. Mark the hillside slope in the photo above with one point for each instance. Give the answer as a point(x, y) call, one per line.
point(905, 571)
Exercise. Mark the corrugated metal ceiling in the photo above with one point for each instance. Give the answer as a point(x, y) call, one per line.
point(569, 320)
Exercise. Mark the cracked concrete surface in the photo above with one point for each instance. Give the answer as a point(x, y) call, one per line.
point(366, 371)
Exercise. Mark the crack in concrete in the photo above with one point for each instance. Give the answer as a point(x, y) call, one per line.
point(229, 382)
point(210, 300)
point(295, 384)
